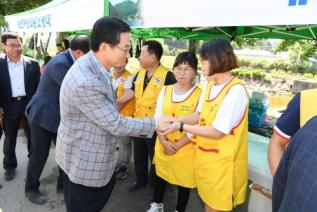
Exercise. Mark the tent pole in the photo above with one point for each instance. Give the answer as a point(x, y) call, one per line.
point(48, 40)
point(312, 32)
point(192, 46)
point(106, 8)
point(34, 45)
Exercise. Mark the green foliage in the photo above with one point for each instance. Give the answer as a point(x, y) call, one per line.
point(278, 66)
point(299, 50)
point(308, 75)
point(250, 73)
point(252, 43)
point(247, 74)
point(258, 74)
point(244, 42)
point(127, 9)
point(280, 72)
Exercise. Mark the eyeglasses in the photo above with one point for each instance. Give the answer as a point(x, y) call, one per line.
point(17, 46)
point(185, 70)
point(125, 50)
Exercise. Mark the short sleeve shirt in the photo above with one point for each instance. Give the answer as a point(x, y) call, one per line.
point(288, 124)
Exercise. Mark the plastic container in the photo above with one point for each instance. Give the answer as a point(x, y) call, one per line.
point(259, 173)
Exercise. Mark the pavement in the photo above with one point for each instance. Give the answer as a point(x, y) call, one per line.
point(12, 197)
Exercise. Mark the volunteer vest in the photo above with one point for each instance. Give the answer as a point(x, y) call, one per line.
point(308, 105)
point(221, 166)
point(145, 101)
point(128, 108)
point(177, 169)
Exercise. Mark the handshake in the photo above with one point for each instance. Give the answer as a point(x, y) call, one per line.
point(167, 125)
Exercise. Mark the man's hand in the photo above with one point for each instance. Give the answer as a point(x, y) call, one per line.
point(172, 127)
point(164, 124)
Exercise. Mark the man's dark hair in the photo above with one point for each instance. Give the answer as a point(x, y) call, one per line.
point(188, 59)
point(220, 55)
point(107, 30)
point(154, 47)
point(81, 42)
point(59, 45)
point(66, 43)
point(47, 58)
point(9, 35)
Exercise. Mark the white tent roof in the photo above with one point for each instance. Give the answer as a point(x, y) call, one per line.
point(214, 13)
point(58, 16)
point(71, 15)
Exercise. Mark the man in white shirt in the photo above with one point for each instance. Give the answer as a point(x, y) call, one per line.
point(19, 78)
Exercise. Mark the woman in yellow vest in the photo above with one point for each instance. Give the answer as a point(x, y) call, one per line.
point(221, 162)
point(122, 83)
point(174, 153)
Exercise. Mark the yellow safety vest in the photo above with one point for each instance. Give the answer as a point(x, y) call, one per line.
point(221, 166)
point(145, 102)
point(308, 105)
point(129, 107)
point(177, 169)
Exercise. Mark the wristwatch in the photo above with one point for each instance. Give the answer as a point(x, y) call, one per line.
point(181, 126)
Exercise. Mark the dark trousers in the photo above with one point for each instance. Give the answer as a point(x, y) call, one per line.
point(159, 189)
point(79, 198)
point(11, 126)
point(41, 142)
point(143, 151)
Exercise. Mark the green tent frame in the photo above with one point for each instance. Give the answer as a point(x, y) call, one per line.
point(307, 32)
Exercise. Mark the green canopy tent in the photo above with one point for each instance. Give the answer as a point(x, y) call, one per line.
point(193, 20)
point(205, 19)
point(308, 32)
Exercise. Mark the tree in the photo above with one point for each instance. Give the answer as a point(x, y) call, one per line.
point(244, 42)
point(299, 50)
point(127, 9)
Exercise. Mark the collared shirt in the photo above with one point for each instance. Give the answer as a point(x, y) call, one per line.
point(71, 54)
point(289, 123)
point(102, 69)
point(16, 73)
point(104, 72)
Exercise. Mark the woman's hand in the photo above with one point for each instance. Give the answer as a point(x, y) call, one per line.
point(177, 145)
point(168, 148)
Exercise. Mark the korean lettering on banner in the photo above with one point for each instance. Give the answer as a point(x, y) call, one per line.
point(35, 22)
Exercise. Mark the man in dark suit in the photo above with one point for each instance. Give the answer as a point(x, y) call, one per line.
point(19, 78)
point(44, 116)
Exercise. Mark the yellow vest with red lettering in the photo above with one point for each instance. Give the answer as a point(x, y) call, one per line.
point(129, 107)
point(221, 166)
point(308, 105)
point(177, 169)
point(145, 102)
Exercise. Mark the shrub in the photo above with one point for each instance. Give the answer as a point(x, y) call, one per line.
point(268, 80)
point(258, 74)
point(308, 75)
point(247, 74)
